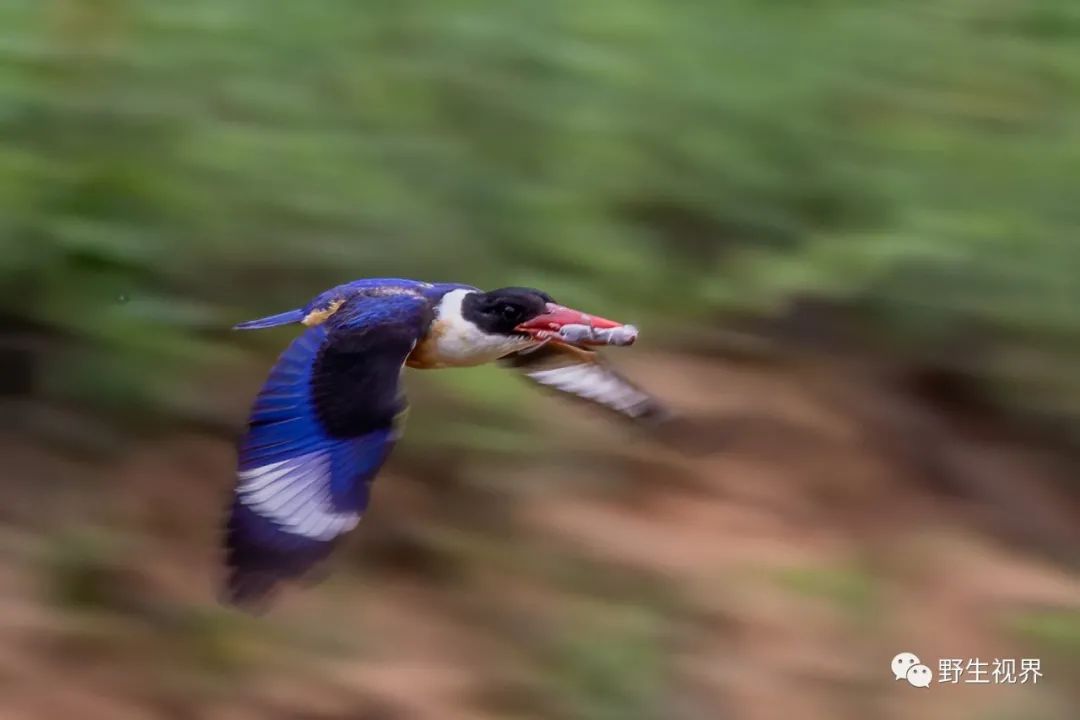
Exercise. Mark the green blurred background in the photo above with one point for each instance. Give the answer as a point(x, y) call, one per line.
point(847, 229)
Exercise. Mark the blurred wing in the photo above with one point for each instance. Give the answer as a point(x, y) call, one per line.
point(585, 375)
point(319, 430)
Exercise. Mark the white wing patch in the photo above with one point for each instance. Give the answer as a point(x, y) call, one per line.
point(295, 494)
point(595, 383)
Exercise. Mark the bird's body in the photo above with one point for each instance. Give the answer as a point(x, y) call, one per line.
point(327, 416)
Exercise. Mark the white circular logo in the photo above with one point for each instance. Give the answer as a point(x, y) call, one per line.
point(902, 663)
point(919, 676)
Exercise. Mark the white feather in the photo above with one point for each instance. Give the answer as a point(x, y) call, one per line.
point(593, 382)
point(295, 494)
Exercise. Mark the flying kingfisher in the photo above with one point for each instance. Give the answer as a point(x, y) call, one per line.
point(327, 416)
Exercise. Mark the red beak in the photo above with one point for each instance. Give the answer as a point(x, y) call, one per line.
point(563, 324)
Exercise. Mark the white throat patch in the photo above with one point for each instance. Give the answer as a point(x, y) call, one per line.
point(456, 342)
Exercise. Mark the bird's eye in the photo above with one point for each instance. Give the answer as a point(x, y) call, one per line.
point(510, 312)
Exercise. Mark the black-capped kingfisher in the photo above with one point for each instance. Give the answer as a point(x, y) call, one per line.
point(326, 417)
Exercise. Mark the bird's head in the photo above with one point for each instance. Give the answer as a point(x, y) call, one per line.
point(534, 315)
point(473, 327)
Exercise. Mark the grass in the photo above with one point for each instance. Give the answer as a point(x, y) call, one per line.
point(169, 171)
point(852, 590)
point(1054, 632)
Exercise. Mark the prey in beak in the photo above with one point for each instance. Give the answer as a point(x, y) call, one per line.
point(573, 327)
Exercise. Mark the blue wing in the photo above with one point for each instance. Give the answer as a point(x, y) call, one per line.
point(330, 299)
point(320, 429)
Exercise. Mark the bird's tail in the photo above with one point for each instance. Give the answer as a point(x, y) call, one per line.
point(285, 318)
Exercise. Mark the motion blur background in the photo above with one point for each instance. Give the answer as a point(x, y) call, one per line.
point(846, 228)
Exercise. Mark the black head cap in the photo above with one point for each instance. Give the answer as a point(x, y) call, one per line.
point(501, 311)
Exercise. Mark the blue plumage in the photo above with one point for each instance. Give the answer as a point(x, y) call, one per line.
point(318, 432)
point(285, 318)
point(324, 421)
point(326, 301)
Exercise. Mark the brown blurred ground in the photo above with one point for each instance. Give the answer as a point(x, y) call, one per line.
point(802, 524)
